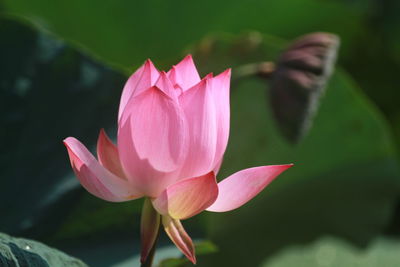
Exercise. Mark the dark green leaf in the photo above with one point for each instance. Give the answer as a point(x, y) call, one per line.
point(205, 247)
point(202, 248)
point(21, 252)
point(180, 262)
point(48, 91)
point(127, 32)
point(332, 252)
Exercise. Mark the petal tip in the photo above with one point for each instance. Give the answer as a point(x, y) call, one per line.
point(148, 62)
point(102, 135)
point(189, 56)
point(226, 74)
point(241, 187)
point(193, 259)
point(287, 166)
point(67, 141)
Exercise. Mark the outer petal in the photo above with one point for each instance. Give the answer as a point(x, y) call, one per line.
point(94, 177)
point(242, 186)
point(178, 235)
point(107, 154)
point(149, 229)
point(152, 141)
point(188, 197)
point(220, 91)
point(200, 111)
point(142, 79)
point(184, 73)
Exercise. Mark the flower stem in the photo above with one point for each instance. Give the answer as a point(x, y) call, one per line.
point(150, 257)
point(261, 69)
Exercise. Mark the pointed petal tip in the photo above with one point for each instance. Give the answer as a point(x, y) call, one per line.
point(208, 76)
point(150, 67)
point(161, 92)
point(67, 141)
point(108, 156)
point(206, 81)
point(164, 81)
point(286, 166)
point(242, 186)
point(179, 237)
point(103, 135)
point(225, 74)
point(96, 179)
point(188, 59)
point(153, 88)
point(148, 62)
point(193, 259)
point(185, 73)
point(189, 56)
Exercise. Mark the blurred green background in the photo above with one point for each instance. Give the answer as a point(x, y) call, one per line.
point(63, 65)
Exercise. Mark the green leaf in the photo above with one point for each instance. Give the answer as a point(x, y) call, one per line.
point(205, 247)
point(202, 248)
point(330, 252)
point(174, 263)
point(127, 32)
point(29, 253)
point(48, 91)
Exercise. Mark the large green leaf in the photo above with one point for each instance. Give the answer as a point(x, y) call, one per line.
point(48, 91)
point(21, 252)
point(127, 32)
point(330, 252)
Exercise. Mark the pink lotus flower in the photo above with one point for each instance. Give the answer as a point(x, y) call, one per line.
point(173, 130)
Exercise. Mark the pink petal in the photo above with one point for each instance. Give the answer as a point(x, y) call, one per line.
point(94, 177)
point(178, 235)
point(152, 141)
point(200, 111)
point(188, 197)
point(184, 73)
point(220, 91)
point(142, 79)
point(149, 228)
point(107, 154)
point(165, 85)
point(242, 186)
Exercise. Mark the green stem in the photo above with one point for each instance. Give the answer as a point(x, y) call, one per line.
point(261, 69)
point(150, 257)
